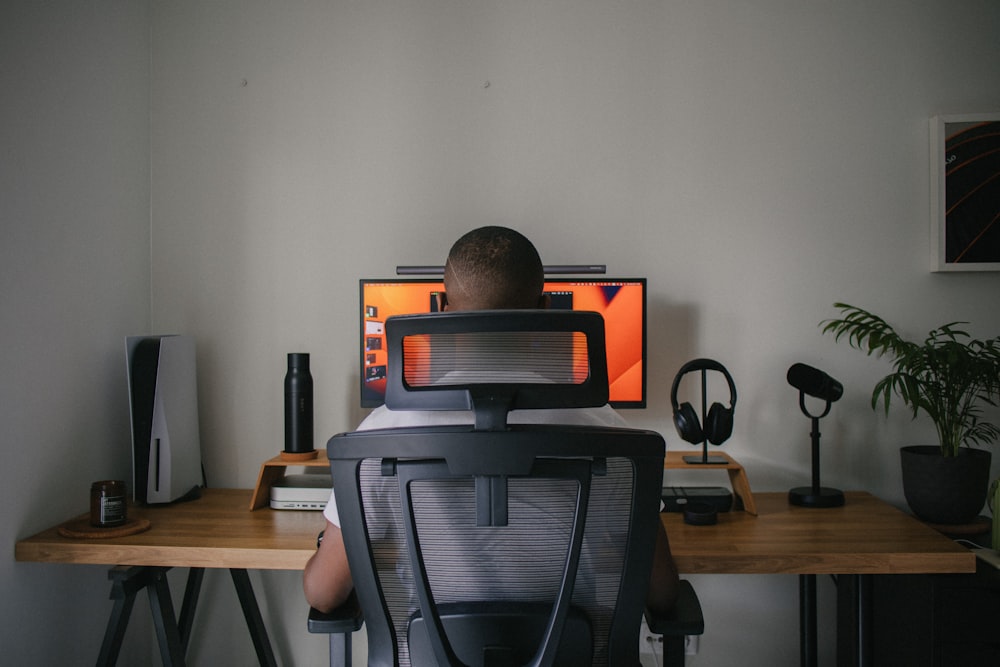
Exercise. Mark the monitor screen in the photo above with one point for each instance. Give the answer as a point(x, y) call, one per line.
point(621, 301)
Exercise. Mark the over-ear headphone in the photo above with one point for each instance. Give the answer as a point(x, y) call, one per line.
point(719, 419)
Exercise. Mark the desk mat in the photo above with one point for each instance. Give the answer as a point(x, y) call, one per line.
point(81, 529)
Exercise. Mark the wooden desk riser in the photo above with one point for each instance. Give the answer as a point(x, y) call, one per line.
point(272, 470)
point(865, 536)
point(674, 460)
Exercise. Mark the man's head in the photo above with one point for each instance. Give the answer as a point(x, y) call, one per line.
point(493, 268)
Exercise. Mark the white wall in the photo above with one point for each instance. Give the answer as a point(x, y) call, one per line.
point(756, 161)
point(74, 281)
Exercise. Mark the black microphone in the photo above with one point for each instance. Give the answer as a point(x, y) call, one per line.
point(814, 382)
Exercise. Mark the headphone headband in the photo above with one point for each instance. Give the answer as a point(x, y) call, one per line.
point(698, 365)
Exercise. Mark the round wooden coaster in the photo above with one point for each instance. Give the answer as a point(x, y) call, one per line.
point(298, 456)
point(81, 529)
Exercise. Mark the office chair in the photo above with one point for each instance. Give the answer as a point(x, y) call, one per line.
point(499, 544)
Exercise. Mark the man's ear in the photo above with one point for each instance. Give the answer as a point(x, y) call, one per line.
point(545, 301)
point(442, 301)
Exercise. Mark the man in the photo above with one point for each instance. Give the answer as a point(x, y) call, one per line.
point(488, 268)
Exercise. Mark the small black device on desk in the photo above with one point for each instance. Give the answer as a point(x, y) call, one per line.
point(676, 498)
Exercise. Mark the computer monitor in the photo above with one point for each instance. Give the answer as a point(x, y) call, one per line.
point(621, 301)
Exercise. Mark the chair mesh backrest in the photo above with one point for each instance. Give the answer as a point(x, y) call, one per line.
point(524, 563)
point(523, 556)
point(482, 357)
point(532, 359)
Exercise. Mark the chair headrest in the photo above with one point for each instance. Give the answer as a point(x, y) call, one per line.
point(496, 361)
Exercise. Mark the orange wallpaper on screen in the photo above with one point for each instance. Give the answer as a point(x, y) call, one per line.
point(623, 335)
point(387, 300)
point(620, 303)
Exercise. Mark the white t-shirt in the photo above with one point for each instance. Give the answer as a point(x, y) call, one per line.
point(382, 417)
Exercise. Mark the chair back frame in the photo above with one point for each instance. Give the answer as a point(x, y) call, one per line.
point(498, 455)
point(492, 453)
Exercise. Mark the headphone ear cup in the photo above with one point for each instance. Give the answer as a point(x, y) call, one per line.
point(718, 423)
point(688, 427)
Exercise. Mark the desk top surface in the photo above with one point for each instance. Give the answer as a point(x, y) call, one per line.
point(217, 530)
point(865, 536)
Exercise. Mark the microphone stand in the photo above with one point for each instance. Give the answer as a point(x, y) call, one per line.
point(811, 496)
point(815, 495)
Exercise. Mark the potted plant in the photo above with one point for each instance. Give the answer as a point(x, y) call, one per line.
point(949, 376)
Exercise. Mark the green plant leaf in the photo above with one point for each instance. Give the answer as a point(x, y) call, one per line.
point(947, 376)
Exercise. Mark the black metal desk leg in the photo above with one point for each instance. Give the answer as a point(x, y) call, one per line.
point(854, 620)
point(167, 632)
point(252, 614)
point(190, 603)
point(173, 634)
point(127, 581)
point(124, 586)
point(808, 653)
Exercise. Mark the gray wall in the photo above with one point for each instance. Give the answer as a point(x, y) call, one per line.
point(756, 161)
point(74, 281)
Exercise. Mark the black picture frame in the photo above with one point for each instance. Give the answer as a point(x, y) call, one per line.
point(965, 192)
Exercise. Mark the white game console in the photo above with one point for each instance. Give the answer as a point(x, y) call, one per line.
point(163, 402)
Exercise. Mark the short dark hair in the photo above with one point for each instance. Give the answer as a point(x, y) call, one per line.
point(492, 268)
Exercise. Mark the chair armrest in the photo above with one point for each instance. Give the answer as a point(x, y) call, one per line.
point(684, 619)
point(346, 618)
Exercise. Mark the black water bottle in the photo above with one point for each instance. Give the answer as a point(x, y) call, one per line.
point(298, 405)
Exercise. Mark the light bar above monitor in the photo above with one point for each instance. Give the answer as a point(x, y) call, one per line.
point(551, 269)
point(620, 301)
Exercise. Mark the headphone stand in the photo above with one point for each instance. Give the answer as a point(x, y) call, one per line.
point(704, 459)
point(815, 495)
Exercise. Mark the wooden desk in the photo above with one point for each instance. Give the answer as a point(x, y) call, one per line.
point(215, 531)
point(865, 536)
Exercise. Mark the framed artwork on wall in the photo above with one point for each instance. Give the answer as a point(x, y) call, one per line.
point(965, 192)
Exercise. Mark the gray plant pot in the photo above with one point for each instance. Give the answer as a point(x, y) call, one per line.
point(945, 490)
